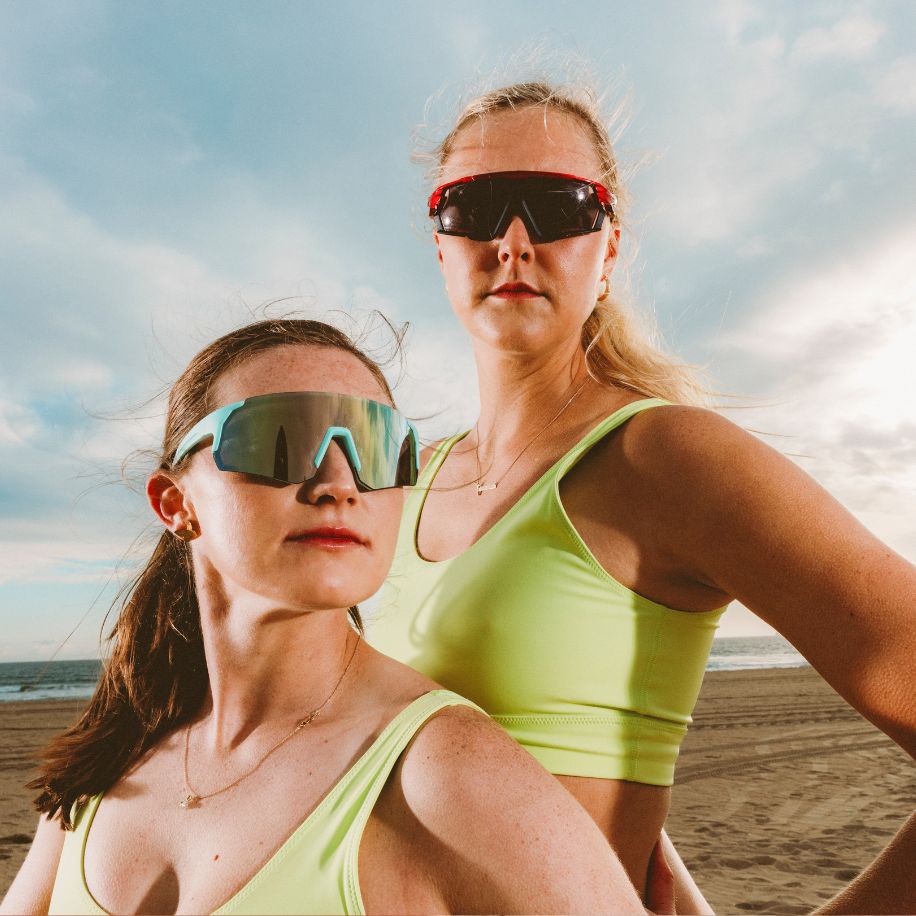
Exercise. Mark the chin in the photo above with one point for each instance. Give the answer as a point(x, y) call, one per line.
point(516, 336)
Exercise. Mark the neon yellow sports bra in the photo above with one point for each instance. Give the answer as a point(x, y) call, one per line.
point(316, 869)
point(591, 678)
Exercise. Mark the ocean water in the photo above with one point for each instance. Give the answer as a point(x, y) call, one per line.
point(77, 679)
point(732, 653)
point(48, 680)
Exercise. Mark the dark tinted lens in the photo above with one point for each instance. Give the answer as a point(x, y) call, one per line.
point(551, 207)
point(473, 209)
point(559, 208)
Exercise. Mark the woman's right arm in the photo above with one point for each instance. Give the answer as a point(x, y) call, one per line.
point(31, 889)
point(498, 832)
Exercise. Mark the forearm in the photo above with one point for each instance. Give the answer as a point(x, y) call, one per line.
point(888, 885)
point(687, 896)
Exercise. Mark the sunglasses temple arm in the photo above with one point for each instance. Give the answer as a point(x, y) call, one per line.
point(210, 425)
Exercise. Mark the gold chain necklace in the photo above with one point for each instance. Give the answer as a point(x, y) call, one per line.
point(192, 798)
point(484, 487)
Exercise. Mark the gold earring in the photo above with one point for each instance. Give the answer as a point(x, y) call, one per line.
point(606, 291)
point(190, 531)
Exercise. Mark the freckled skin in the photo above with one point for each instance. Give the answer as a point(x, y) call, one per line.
point(276, 639)
point(245, 520)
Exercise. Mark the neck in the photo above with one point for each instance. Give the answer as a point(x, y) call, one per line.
point(268, 666)
point(518, 397)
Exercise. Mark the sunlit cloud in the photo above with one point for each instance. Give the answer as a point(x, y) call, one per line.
point(145, 210)
point(838, 349)
point(853, 37)
point(896, 88)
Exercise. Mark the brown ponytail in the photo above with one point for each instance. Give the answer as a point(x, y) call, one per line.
point(156, 676)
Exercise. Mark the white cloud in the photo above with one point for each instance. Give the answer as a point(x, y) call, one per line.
point(836, 190)
point(896, 86)
point(44, 558)
point(835, 352)
point(852, 38)
point(734, 16)
point(749, 139)
point(17, 423)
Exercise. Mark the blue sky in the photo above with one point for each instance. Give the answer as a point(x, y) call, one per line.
point(165, 169)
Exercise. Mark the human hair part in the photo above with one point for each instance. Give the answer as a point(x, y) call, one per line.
point(620, 348)
point(155, 677)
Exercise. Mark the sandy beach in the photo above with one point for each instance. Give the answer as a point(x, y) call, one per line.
point(782, 793)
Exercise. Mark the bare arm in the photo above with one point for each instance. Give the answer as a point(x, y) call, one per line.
point(31, 889)
point(688, 898)
point(497, 832)
point(743, 519)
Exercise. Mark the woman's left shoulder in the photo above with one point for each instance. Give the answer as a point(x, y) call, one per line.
point(683, 421)
point(693, 439)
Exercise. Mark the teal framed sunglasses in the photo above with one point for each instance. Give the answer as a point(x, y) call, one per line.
point(285, 437)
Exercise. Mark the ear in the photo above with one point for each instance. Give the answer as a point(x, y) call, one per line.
point(613, 246)
point(438, 248)
point(168, 500)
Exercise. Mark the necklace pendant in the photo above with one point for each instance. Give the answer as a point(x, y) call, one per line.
point(189, 801)
point(483, 487)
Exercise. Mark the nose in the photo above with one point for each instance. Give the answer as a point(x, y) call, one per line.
point(515, 245)
point(334, 481)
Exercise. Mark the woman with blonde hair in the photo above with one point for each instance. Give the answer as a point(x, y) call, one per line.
point(246, 751)
point(565, 562)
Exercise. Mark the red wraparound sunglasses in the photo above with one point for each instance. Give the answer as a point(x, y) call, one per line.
point(552, 205)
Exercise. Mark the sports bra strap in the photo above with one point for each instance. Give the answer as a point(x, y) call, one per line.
point(442, 450)
point(608, 424)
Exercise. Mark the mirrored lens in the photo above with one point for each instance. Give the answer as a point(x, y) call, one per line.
point(279, 436)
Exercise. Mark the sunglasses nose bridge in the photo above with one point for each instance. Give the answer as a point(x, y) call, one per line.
point(515, 205)
point(344, 441)
point(499, 226)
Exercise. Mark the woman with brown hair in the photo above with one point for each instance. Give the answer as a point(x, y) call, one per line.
point(565, 562)
point(246, 751)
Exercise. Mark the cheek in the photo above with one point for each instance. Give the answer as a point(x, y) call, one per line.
point(238, 520)
point(386, 513)
point(243, 525)
point(576, 269)
point(460, 260)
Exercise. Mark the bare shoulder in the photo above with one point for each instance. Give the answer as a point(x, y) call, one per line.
point(692, 466)
point(654, 438)
point(739, 515)
point(509, 837)
point(31, 889)
point(440, 754)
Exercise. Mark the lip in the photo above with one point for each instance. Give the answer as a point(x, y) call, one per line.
point(333, 537)
point(515, 291)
